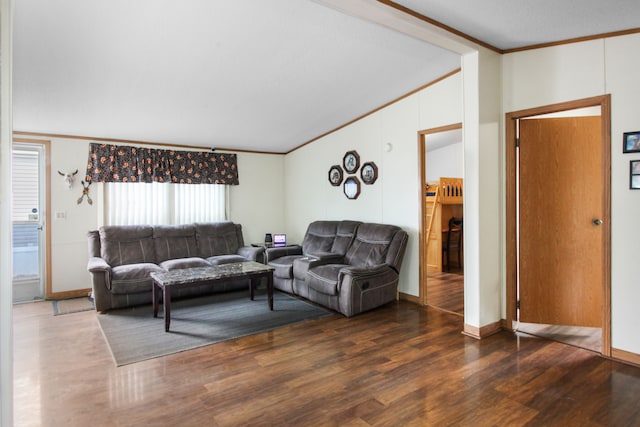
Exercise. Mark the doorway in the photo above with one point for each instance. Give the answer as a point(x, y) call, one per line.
point(441, 226)
point(30, 220)
point(558, 230)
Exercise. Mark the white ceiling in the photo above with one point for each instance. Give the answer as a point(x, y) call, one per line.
point(436, 141)
point(509, 24)
point(247, 74)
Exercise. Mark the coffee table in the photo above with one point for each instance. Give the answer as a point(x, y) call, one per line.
point(198, 276)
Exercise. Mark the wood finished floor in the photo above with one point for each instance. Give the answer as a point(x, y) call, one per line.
point(446, 291)
point(584, 337)
point(401, 365)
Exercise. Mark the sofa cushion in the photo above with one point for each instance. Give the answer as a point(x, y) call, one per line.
point(225, 259)
point(178, 263)
point(319, 237)
point(127, 244)
point(174, 241)
point(344, 236)
point(324, 278)
point(220, 238)
point(370, 244)
point(131, 278)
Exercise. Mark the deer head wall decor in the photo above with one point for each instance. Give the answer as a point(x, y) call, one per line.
point(68, 177)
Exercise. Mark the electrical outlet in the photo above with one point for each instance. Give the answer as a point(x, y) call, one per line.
point(61, 215)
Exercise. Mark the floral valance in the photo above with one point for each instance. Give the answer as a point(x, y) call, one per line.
point(121, 163)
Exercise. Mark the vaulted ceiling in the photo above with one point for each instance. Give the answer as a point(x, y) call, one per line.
point(249, 74)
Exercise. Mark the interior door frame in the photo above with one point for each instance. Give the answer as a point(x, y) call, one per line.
point(47, 206)
point(511, 119)
point(422, 169)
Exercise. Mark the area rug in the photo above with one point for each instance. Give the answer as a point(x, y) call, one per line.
point(72, 305)
point(134, 335)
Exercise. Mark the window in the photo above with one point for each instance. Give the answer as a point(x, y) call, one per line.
point(24, 182)
point(161, 203)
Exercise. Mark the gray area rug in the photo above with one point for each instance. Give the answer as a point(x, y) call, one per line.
point(72, 305)
point(133, 334)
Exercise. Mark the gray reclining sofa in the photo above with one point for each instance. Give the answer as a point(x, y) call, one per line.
point(348, 266)
point(121, 258)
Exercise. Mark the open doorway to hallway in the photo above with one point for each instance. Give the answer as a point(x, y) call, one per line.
point(442, 223)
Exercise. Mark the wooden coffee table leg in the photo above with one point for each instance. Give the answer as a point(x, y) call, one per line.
point(155, 297)
point(166, 295)
point(252, 286)
point(270, 289)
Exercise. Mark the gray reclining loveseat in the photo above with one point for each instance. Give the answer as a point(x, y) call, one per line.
point(347, 266)
point(122, 258)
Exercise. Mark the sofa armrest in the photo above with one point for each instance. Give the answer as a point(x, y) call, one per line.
point(252, 253)
point(275, 253)
point(326, 258)
point(364, 288)
point(97, 265)
point(363, 273)
point(100, 283)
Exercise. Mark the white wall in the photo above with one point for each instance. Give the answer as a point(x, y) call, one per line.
point(482, 190)
point(623, 83)
point(310, 196)
point(581, 70)
point(69, 235)
point(395, 197)
point(447, 162)
point(258, 202)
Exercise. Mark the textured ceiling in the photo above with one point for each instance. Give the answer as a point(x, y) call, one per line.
point(248, 74)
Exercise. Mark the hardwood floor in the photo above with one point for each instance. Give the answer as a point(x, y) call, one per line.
point(446, 291)
point(396, 366)
point(579, 336)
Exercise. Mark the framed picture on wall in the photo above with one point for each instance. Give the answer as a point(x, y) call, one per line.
point(369, 173)
point(351, 161)
point(335, 175)
point(631, 142)
point(351, 188)
point(634, 174)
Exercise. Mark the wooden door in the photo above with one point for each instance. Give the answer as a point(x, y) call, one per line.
point(560, 205)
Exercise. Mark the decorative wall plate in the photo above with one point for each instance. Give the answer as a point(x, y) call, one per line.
point(351, 161)
point(335, 175)
point(369, 173)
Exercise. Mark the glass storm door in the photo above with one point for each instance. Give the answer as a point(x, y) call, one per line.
point(28, 222)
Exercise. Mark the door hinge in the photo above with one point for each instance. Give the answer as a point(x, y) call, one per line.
point(517, 142)
point(518, 305)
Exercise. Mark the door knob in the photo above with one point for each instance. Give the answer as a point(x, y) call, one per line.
point(596, 221)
